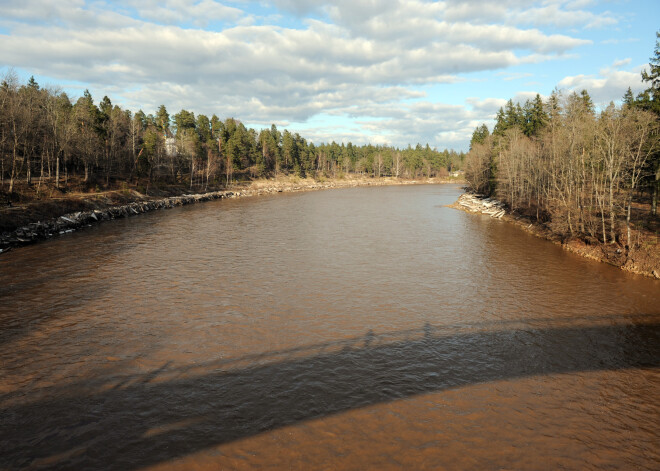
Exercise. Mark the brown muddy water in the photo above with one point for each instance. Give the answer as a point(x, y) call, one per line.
point(366, 328)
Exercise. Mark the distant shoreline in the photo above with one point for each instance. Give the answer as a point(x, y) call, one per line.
point(52, 217)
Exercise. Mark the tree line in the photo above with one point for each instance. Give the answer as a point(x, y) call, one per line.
point(577, 169)
point(44, 135)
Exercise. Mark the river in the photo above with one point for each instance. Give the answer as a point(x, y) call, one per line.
point(362, 328)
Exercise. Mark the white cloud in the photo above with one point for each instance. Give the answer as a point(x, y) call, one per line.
point(578, 4)
point(438, 124)
point(34, 10)
point(522, 97)
point(619, 41)
point(508, 76)
point(313, 60)
point(362, 59)
point(198, 12)
point(620, 63)
point(554, 15)
point(488, 107)
point(560, 14)
point(609, 85)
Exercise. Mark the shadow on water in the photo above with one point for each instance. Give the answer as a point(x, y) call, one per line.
point(127, 422)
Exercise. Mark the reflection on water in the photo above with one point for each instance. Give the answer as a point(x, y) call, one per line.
point(369, 327)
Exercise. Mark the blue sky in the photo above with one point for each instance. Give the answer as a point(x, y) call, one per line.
point(393, 72)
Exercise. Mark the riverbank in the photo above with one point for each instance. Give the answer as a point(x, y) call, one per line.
point(38, 220)
point(643, 260)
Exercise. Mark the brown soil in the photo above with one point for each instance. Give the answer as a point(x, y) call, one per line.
point(643, 259)
point(42, 201)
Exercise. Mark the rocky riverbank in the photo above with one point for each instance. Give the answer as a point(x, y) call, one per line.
point(97, 208)
point(643, 260)
point(71, 221)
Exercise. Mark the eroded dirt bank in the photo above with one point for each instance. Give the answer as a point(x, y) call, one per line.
point(642, 260)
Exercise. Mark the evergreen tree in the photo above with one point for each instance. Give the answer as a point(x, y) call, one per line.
point(32, 83)
point(289, 150)
point(535, 117)
point(141, 118)
point(519, 117)
point(511, 114)
point(203, 126)
point(479, 135)
point(650, 100)
point(163, 120)
point(105, 107)
point(184, 119)
point(553, 108)
point(500, 123)
point(587, 102)
point(628, 98)
point(217, 127)
point(653, 74)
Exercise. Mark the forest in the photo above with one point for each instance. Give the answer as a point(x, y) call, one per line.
point(584, 173)
point(45, 137)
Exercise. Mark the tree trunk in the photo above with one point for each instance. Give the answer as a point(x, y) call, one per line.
point(41, 176)
point(628, 224)
point(656, 189)
point(13, 170)
point(11, 180)
point(228, 170)
point(57, 172)
point(48, 165)
point(208, 169)
point(612, 216)
point(192, 172)
point(107, 171)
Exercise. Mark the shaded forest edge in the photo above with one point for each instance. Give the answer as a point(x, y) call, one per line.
point(588, 178)
point(43, 218)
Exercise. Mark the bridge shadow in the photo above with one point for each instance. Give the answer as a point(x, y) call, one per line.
point(129, 422)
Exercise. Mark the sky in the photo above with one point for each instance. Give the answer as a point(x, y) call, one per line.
point(393, 72)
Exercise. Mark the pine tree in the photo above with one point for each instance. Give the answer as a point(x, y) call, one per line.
point(553, 107)
point(500, 123)
point(628, 98)
point(535, 117)
point(32, 83)
point(105, 106)
point(588, 103)
point(650, 100)
point(511, 114)
point(479, 135)
point(163, 120)
point(653, 75)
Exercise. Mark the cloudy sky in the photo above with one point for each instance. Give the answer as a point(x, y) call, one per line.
point(380, 71)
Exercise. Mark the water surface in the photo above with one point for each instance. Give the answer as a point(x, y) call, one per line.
point(344, 329)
